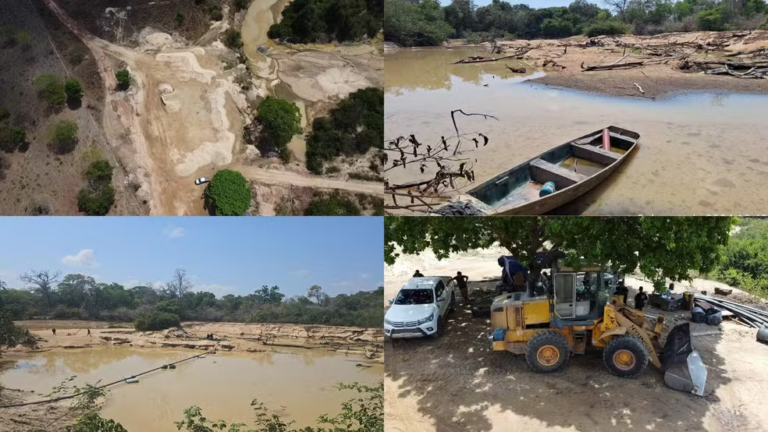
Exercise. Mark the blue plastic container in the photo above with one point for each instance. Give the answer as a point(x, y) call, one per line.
point(498, 334)
point(547, 189)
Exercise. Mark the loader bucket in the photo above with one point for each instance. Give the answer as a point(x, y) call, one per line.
point(681, 364)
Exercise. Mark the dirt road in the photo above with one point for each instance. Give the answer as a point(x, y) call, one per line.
point(180, 119)
point(456, 383)
point(295, 179)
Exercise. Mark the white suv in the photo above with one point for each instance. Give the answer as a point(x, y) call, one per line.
point(420, 308)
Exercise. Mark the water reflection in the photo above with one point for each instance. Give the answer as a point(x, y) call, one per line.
point(433, 69)
point(297, 382)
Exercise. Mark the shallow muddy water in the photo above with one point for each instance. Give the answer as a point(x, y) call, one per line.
point(296, 384)
point(704, 153)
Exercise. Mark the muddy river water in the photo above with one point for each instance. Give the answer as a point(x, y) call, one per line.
point(294, 383)
point(703, 153)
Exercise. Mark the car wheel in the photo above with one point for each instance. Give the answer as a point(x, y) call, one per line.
point(440, 328)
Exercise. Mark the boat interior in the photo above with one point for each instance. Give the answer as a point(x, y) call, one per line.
point(565, 166)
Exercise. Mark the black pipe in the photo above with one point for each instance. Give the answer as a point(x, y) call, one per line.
point(738, 311)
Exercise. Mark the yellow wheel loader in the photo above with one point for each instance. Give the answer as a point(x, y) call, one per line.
point(576, 309)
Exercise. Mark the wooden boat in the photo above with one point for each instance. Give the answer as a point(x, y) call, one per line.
point(575, 167)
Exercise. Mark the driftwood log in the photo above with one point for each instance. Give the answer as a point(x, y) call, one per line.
point(520, 70)
point(482, 60)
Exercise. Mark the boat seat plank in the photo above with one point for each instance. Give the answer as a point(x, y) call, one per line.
point(543, 171)
point(595, 154)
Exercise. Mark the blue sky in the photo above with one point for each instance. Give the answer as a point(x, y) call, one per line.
point(531, 3)
point(222, 255)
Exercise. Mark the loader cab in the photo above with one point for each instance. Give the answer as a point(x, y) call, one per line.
point(580, 294)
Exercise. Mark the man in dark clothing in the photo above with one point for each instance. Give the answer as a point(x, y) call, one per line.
point(640, 299)
point(418, 274)
point(89, 332)
point(54, 331)
point(622, 291)
point(461, 281)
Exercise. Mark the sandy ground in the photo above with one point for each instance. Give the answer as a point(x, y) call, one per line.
point(474, 389)
point(655, 80)
point(181, 119)
point(229, 337)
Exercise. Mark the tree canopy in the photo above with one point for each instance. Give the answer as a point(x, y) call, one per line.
point(311, 21)
point(98, 195)
point(280, 121)
point(425, 22)
point(73, 89)
point(661, 247)
point(11, 138)
point(123, 79)
point(355, 126)
point(228, 194)
point(51, 89)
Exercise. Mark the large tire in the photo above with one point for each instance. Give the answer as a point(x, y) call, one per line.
point(547, 351)
point(440, 328)
point(625, 356)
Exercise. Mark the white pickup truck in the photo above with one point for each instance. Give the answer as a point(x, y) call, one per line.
point(420, 308)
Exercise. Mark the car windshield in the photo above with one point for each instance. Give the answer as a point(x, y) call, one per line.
point(415, 297)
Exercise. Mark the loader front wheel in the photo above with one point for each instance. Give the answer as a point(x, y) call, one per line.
point(547, 351)
point(625, 356)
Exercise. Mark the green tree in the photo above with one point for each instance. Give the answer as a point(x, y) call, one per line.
point(280, 121)
point(51, 89)
point(268, 295)
point(93, 422)
point(123, 79)
point(96, 201)
point(11, 138)
point(73, 90)
point(233, 39)
point(332, 204)
point(99, 171)
point(661, 247)
point(241, 4)
point(418, 23)
point(63, 136)
point(12, 335)
point(228, 194)
point(710, 20)
point(98, 196)
point(156, 321)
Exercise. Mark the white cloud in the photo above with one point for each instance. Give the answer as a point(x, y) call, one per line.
point(365, 276)
point(84, 259)
point(174, 232)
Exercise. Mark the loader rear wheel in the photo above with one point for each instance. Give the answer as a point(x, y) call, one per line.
point(625, 356)
point(547, 351)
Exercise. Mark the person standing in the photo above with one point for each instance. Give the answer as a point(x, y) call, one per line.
point(418, 274)
point(54, 331)
point(640, 299)
point(622, 291)
point(461, 281)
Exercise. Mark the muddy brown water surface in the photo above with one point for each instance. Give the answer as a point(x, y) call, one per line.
point(297, 384)
point(699, 153)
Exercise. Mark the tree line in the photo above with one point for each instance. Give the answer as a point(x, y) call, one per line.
point(745, 263)
point(77, 296)
point(426, 22)
point(313, 21)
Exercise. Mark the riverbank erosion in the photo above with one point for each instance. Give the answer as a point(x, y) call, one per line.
point(662, 71)
point(235, 337)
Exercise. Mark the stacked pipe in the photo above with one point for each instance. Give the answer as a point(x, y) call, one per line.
point(748, 315)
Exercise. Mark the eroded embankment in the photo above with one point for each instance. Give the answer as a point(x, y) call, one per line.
point(236, 337)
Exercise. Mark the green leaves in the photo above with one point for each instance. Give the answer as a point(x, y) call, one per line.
point(280, 120)
point(662, 247)
point(51, 89)
point(228, 194)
